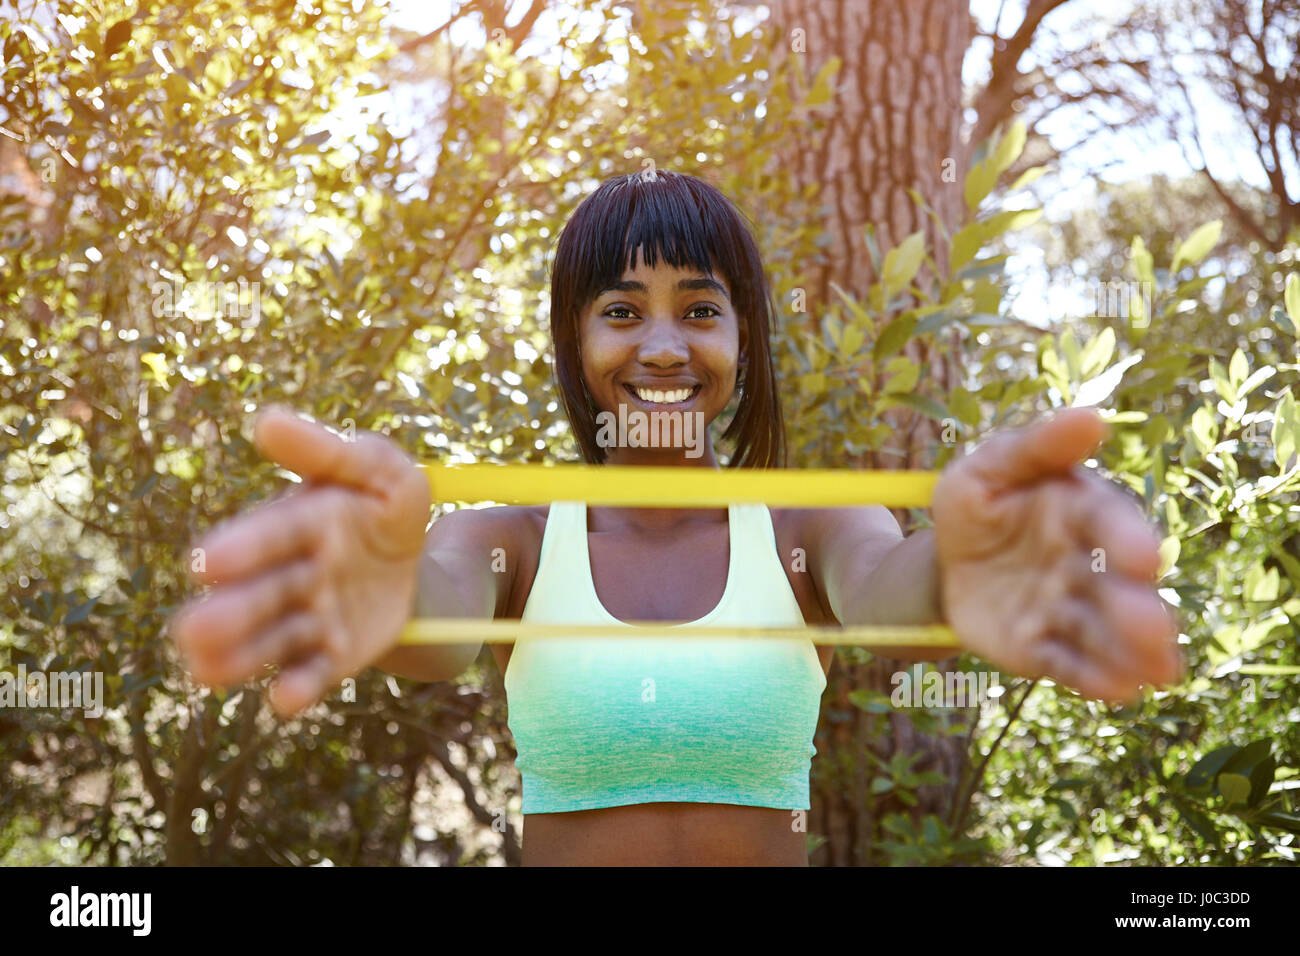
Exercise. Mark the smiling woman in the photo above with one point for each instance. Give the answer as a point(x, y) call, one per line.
point(637, 749)
point(645, 750)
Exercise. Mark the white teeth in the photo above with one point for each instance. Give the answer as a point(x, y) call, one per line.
point(664, 398)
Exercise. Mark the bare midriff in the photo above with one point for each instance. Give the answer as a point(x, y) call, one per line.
point(667, 834)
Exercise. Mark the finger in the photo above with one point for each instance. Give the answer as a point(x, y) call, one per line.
point(1147, 625)
point(300, 686)
point(1079, 624)
point(1048, 447)
point(1066, 664)
point(370, 463)
point(288, 528)
point(234, 613)
point(291, 638)
point(1107, 521)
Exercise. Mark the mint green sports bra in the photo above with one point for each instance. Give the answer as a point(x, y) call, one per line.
point(606, 723)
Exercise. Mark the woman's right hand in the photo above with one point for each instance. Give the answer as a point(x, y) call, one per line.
point(320, 582)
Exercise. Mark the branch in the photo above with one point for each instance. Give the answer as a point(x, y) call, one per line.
point(969, 782)
point(993, 103)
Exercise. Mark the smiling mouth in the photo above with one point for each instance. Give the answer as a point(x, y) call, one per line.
point(663, 397)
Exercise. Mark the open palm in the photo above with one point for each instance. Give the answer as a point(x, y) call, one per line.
point(1047, 569)
point(319, 582)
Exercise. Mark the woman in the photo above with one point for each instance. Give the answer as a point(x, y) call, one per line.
point(674, 751)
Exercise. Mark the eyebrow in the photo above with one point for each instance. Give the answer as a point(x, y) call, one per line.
point(683, 285)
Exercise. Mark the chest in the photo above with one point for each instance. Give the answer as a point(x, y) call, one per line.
point(679, 578)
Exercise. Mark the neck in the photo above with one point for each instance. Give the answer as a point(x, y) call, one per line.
point(653, 521)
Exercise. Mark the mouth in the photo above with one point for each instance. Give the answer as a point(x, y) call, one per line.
point(663, 398)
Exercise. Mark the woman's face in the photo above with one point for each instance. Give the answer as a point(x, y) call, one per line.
point(662, 339)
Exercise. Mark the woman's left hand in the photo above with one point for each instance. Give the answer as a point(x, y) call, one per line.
point(1047, 569)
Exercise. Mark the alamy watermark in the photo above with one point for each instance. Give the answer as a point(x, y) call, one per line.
point(919, 688)
point(56, 689)
point(229, 300)
point(638, 429)
point(1124, 299)
point(129, 910)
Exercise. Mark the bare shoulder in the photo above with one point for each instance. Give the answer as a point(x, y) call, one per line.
point(789, 522)
point(516, 528)
point(813, 525)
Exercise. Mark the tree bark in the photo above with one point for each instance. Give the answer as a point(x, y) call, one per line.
point(895, 124)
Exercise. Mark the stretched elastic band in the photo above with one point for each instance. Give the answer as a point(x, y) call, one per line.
point(673, 487)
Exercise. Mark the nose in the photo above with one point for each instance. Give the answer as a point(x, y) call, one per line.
point(663, 344)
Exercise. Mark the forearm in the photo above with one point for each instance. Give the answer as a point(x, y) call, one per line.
point(902, 590)
point(435, 596)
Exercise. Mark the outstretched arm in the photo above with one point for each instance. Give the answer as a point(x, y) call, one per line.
point(871, 574)
point(1038, 565)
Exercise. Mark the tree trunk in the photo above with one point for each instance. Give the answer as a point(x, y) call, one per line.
point(895, 123)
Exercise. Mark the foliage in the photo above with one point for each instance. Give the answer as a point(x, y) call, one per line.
point(191, 240)
point(1199, 773)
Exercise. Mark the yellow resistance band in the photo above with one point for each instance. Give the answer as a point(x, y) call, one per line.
point(631, 486)
point(676, 487)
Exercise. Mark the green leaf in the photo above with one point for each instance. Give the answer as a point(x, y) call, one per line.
point(1010, 147)
point(860, 314)
point(903, 374)
point(1096, 390)
point(1238, 369)
point(1222, 384)
point(1261, 778)
point(1198, 245)
point(1205, 429)
point(851, 342)
point(925, 405)
point(894, 336)
point(984, 174)
point(822, 90)
point(1234, 787)
point(1143, 263)
point(873, 247)
point(964, 406)
point(1291, 298)
point(1282, 821)
point(1260, 584)
point(931, 317)
point(1098, 352)
point(1203, 770)
point(1286, 430)
point(1248, 756)
point(80, 612)
point(1261, 374)
point(901, 263)
point(1027, 177)
point(1283, 321)
point(1198, 821)
point(1073, 360)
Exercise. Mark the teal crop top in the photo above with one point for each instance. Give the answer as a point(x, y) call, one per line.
point(609, 722)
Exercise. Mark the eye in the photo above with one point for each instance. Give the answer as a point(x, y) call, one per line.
point(618, 308)
point(710, 309)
